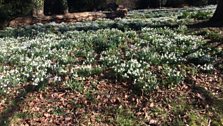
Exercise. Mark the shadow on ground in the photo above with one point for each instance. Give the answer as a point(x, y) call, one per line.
point(12, 108)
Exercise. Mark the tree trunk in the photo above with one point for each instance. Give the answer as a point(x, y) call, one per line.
point(65, 6)
point(38, 8)
point(66, 11)
point(38, 12)
point(218, 15)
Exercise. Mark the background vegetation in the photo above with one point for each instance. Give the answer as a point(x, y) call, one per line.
point(15, 8)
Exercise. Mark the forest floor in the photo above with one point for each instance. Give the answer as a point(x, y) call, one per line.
point(68, 17)
point(102, 100)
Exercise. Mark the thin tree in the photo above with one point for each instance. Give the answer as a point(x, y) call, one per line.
point(38, 8)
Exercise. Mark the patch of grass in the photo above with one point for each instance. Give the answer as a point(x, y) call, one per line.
point(89, 96)
point(215, 36)
point(58, 111)
point(15, 120)
point(125, 117)
point(2, 92)
point(210, 34)
point(158, 111)
point(178, 110)
point(79, 106)
point(185, 113)
point(98, 118)
point(199, 15)
point(219, 105)
point(23, 115)
point(196, 119)
point(76, 85)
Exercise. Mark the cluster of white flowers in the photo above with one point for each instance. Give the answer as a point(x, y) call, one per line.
point(149, 49)
point(206, 67)
point(34, 54)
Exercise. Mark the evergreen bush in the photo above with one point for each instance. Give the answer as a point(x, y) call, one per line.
point(198, 2)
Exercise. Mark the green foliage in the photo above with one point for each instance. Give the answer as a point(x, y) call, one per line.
point(125, 118)
point(198, 2)
point(76, 85)
point(23, 115)
point(146, 58)
point(128, 50)
point(199, 15)
point(214, 36)
point(58, 111)
point(38, 3)
point(86, 5)
point(14, 8)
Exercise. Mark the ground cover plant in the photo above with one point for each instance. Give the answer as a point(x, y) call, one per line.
point(146, 69)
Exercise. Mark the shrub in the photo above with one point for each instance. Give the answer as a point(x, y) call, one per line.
point(14, 8)
point(157, 3)
point(198, 2)
point(55, 7)
point(175, 3)
point(85, 5)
